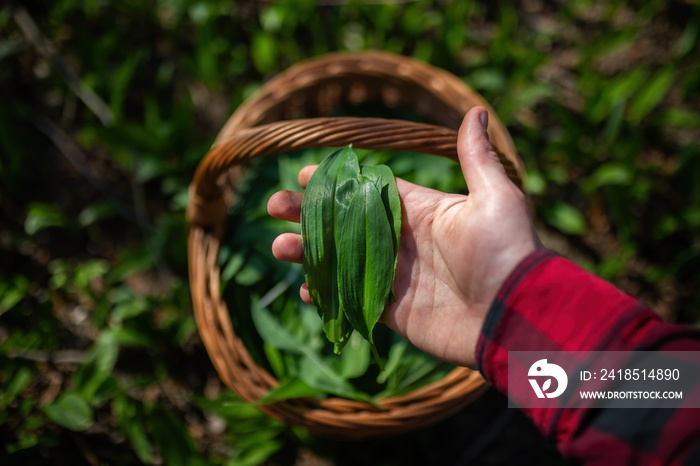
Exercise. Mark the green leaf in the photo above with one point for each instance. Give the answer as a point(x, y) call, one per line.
point(276, 360)
point(120, 81)
point(132, 262)
point(130, 417)
point(354, 360)
point(422, 369)
point(651, 94)
point(530, 95)
point(40, 216)
point(613, 126)
point(365, 259)
point(616, 93)
point(254, 455)
point(288, 389)
point(565, 218)
point(488, 79)
point(129, 309)
point(317, 373)
point(272, 332)
point(535, 183)
point(233, 265)
point(252, 271)
point(690, 36)
point(680, 117)
point(264, 52)
point(13, 292)
point(408, 368)
point(71, 411)
point(396, 353)
point(608, 175)
point(271, 18)
point(96, 212)
point(136, 433)
point(326, 199)
point(174, 442)
point(98, 365)
point(383, 178)
point(88, 271)
point(17, 383)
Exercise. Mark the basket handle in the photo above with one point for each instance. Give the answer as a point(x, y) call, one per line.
point(319, 86)
point(207, 207)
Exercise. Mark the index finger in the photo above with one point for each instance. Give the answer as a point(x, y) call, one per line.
point(305, 175)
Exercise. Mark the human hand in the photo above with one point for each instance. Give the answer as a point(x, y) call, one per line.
point(455, 251)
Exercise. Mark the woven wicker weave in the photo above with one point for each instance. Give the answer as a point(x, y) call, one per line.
point(291, 112)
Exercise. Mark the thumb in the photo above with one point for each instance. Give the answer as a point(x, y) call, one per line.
point(481, 168)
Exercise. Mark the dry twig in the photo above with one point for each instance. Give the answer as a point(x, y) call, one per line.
point(48, 51)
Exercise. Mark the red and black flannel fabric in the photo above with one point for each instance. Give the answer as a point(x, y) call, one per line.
point(550, 304)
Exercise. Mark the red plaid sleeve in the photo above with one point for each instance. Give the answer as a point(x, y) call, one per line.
point(549, 304)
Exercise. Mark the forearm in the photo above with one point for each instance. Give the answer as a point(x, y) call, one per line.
point(550, 304)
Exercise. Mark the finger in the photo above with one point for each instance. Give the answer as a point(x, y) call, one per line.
point(305, 175)
point(285, 205)
point(287, 247)
point(304, 293)
point(480, 165)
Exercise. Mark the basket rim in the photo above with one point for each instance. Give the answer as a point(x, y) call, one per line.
point(333, 416)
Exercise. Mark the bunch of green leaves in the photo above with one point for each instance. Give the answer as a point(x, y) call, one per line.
point(350, 228)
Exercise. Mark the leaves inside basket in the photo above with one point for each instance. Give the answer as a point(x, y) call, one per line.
point(311, 367)
point(311, 372)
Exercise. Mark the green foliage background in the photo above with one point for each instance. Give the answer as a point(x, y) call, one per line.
point(106, 107)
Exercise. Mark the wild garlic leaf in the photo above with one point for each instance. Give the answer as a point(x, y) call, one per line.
point(272, 331)
point(396, 352)
point(384, 179)
point(319, 210)
point(317, 373)
point(354, 361)
point(290, 388)
point(351, 224)
point(365, 259)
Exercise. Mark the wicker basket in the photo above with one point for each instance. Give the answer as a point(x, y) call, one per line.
point(277, 119)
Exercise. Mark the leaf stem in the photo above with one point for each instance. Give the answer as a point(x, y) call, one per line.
point(377, 358)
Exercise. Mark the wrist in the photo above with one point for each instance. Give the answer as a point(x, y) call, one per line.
point(489, 329)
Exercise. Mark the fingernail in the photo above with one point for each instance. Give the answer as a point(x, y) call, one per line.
point(484, 119)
